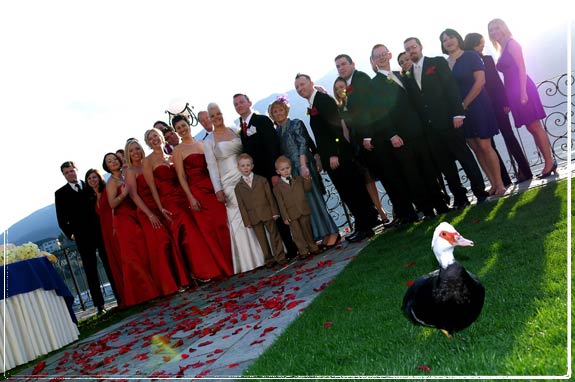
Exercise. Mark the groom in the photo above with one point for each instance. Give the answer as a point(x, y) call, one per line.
point(337, 157)
point(260, 140)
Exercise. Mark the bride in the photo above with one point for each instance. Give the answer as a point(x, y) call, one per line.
point(221, 149)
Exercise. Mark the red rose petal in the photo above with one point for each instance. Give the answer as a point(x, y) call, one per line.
point(39, 367)
point(293, 304)
point(424, 368)
point(267, 330)
point(410, 283)
point(410, 264)
point(205, 343)
point(257, 342)
point(327, 324)
point(231, 365)
point(184, 356)
point(475, 221)
point(349, 308)
point(218, 351)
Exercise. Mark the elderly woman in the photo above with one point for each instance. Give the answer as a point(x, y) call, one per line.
point(294, 145)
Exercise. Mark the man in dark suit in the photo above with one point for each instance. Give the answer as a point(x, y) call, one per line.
point(434, 91)
point(337, 157)
point(395, 123)
point(204, 119)
point(78, 220)
point(260, 140)
point(380, 161)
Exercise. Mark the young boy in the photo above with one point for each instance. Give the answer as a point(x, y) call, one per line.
point(290, 195)
point(259, 210)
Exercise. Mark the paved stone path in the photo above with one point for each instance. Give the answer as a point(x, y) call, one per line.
point(217, 330)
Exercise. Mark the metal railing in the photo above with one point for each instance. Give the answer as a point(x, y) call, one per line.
point(553, 93)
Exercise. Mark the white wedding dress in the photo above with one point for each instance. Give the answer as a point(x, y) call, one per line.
point(223, 167)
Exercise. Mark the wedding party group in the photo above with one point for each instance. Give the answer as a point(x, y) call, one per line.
point(196, 210)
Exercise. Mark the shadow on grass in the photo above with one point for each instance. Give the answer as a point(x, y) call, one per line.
point(518, 255)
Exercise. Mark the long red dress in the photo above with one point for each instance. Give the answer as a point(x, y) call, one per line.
point(212, 217)
point(138, 283)
point(167, 266)
point(104, 212)
point(184, 228)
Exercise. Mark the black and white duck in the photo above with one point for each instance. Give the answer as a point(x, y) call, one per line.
point(449, 298)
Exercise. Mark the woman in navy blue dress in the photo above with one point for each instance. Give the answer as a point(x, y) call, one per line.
point(480, 124)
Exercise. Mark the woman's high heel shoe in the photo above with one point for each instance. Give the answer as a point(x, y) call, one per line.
point(553, 170)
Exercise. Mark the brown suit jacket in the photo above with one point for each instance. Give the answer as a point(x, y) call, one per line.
point(291, 198)
point(256, 203)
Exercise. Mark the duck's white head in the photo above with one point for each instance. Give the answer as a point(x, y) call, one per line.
point(445, 238)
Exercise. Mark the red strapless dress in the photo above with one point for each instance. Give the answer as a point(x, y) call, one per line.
point(138, 283)
point(166, 262)
point(212, 218)
point(184, 228)
point(104, 212)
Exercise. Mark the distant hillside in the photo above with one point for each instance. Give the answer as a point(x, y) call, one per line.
point(39, 225)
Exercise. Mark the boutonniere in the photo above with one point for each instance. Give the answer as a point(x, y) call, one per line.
point(349, 90)
point(407, 73)
point(313, 111)
point(430, 70)
point(389, 79)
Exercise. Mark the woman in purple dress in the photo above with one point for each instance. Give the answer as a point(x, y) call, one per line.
point(479, 125)
point(524, 100)
point(496, 91)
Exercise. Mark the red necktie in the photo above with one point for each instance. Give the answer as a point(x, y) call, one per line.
point(244, 128)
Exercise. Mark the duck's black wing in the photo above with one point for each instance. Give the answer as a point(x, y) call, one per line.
point(418, 303)
point(449, 299)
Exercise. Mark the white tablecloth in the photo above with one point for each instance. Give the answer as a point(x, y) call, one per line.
point(36, 323)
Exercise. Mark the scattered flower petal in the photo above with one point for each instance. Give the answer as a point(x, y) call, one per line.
point(423, 368)
point(327, 324)
point(410, 283)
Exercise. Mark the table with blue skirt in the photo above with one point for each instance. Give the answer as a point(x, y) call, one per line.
point(36, 309)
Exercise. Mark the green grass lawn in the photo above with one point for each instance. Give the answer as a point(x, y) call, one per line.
point(520, 255)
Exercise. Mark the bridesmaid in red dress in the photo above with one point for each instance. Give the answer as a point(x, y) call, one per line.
point(171, 201)
point(138, 283)
point(96, 181)
point(167, 266)
point(209, 213)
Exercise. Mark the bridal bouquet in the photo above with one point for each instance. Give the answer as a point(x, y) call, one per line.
point(11, 253)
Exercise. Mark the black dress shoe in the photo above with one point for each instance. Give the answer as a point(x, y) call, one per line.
point(391, 224)
point(461, 205)
point(361, 235)
point(442, 210)
point(351, 236)
point(482, 198)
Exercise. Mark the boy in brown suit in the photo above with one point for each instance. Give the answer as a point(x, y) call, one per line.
point(290, 195)
point(259, 210)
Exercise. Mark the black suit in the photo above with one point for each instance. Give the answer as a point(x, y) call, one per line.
point(76, 214)
point(357, 103)
point(437, 102)
point(392, 113)
point(264, 147)
point(349, 183)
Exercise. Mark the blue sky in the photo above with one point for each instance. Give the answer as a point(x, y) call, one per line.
point(78, 78)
